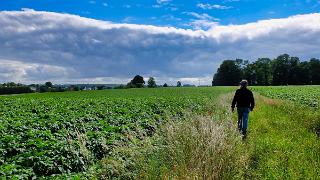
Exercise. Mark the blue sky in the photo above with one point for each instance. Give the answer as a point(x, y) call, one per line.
point(110, 41)
point(176, 13)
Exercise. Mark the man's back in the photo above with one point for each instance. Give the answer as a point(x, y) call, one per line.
point(243, 98)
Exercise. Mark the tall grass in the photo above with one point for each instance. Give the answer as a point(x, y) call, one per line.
point(199, 148)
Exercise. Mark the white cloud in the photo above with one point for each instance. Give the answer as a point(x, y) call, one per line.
point(199, 24)
point(170, 17)
point(212, 6)
point(128, 19)
point(105, 4)
point(18, 71)
point(231, 1)
point(163, 1)
point(26, 9)
point(202, 21)
point(173, 8)
point(38, 46)
point(156, 6)
point(201, 16)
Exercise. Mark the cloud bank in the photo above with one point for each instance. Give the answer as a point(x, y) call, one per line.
point(37, 46)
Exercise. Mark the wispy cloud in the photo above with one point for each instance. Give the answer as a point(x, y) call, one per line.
point(105, 4)
point(212, 6)
point(201, 16)
point(170, 17)
point(226, 1)
point(156, 6)
point(26, 9)
point(85, 12)
point(200, 24)
point(201, 21)
point(92, 2)
point(163, 1)
point(128, 19)
point(173, 8)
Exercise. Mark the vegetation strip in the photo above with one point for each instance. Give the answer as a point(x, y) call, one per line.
point(282, 141)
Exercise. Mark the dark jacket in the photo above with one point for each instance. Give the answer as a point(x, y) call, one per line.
point(243, 98)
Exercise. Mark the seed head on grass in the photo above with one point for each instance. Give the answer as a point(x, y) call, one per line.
point(200, 148)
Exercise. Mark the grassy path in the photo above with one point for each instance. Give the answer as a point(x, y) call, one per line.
point(281, 142)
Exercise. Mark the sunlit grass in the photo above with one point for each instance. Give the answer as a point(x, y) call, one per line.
point(282, 141)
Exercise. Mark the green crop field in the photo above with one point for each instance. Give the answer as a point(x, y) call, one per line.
point(304, 95)
point(81, 134)
point(54, 133)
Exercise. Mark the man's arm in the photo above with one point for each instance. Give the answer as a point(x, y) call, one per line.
point(234, 101)
point(252, 103)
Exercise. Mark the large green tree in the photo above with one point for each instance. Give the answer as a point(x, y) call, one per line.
point(281, 70)
point(179, 84)
point(263, 71)
point(137, 82)
point(294, 68)
point(303, 73)
point(314, 65)
point(49, 84)
point(152, 82)
point(229, 73)
point(249, 73)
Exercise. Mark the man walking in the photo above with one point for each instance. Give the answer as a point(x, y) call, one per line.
point(244, 100)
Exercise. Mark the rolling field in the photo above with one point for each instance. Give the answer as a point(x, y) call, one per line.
point(89, 134)
point(54, 133)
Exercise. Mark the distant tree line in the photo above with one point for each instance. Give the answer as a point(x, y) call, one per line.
point(13, 88)
point(283, 70)
point(138, 82)
point(17, 88)
point(49, 87)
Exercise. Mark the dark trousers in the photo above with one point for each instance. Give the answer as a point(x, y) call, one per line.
point(243, 115)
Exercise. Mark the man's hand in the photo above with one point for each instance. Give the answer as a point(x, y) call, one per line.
point(232, 109)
